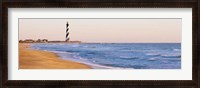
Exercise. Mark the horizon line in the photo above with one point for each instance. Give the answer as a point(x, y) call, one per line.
point(101, 42)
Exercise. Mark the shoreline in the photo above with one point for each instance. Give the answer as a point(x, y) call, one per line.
point(37, 59)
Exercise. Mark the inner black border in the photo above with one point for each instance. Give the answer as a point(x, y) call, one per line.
point(194, 4)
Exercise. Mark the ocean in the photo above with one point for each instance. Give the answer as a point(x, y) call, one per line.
point(119, 55)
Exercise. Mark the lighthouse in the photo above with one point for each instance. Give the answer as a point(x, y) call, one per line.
point(67, 32)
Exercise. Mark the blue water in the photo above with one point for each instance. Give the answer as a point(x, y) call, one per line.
point(120, 55)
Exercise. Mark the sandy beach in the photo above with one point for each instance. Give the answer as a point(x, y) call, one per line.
point(37, 59)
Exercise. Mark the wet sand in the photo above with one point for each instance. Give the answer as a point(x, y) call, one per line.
point(37, 59)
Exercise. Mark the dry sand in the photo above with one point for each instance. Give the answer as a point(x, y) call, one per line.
point(37, 59)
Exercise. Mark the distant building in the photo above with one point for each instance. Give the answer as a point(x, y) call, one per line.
point(34, 41)
point(44, 40)
point(29, 41)
point(39, 40)
point(21, 41)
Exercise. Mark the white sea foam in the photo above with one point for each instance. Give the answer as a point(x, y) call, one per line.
point(126, 57)
point(176, 49)
point(152, 54)
point(152, 59)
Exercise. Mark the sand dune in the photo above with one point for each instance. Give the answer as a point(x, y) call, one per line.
point(36, 59)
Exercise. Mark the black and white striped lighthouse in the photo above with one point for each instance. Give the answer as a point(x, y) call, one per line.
point(67, 32)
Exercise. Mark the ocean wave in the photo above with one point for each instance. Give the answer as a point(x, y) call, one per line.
point(61, 52)
point(75, 45)
point(72, 51)
point(171, 56)
point(152, 54)
point(97, 66)
point(85, 46)
point(152, 59)
point(176, 49)
point(126, 57)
